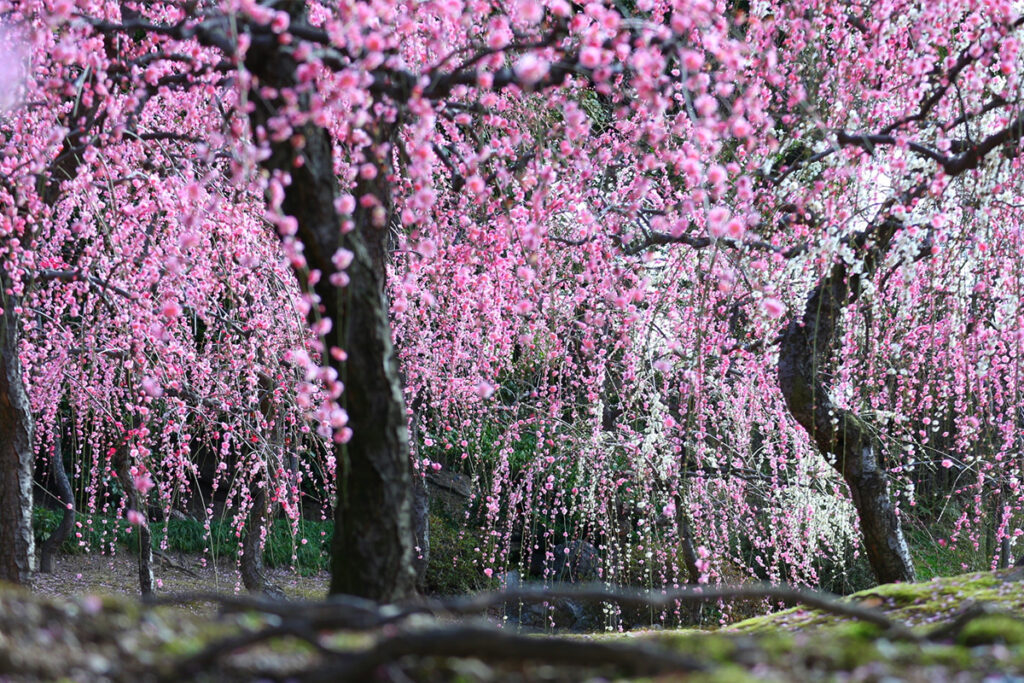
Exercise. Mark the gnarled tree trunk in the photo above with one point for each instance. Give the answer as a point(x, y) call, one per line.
point(372, 550)
point(853, 449)
point(16, 541)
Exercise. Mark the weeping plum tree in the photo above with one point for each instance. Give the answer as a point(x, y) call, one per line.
point(148, 335)
point(803, 158)
point(586, 224)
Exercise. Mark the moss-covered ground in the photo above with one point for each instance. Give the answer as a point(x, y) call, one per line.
point(89, 638)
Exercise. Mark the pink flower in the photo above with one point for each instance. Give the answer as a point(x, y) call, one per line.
point(280, 22)
point(136, 518)
point(590, 57)
point(947, 463)
point(62, 9)
point(484, 390)
point(339, 418)
point(773, 307)
point(427, 248)
point(475, 184)
point(191, 194)
point(152, 387)
point(499, 34)
point(531, 12)
point(345, 204)
point(342, 258)
point(705, 105)
point(717, 218)
point(523, 307)
point(716, 174)
point(188, 240)
point(530, 68)
point(170, 309)
point(741, 128)
point(143, 482)
point(735, 229)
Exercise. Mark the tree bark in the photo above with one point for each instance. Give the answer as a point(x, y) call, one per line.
point(146, 580)
point(685, 531)
point(372, 550)
point(144, 553)
point(851, 445)
point(251, 566)
point(420, 506)
point(16, 541)
point(66, 497)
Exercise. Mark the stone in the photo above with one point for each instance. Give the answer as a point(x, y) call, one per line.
point(450, 491)
point(576, 562)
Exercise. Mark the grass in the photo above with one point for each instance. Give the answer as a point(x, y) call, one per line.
point(932, 559)
point(191, 537)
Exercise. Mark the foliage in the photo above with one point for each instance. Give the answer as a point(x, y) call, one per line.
point(453, 567)
point(284, 546)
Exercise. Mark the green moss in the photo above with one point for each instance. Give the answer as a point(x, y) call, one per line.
point(453, 566)
point(726, 673)
point(763, 622)
point(710, 646)
point(894, 594)
point(991, 629)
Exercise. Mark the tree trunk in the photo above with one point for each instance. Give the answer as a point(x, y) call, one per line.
point(16, 541)
point(685, 531)
point(850, 444)
point(254, 577)
point(67, 505)
point(251, 565)
point(371, 555)
point(420, 504)
point(145, 550)
point(146, 581)
point(372, 551)
point(421, 529)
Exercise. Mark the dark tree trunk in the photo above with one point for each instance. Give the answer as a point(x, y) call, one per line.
point(851, 445)
point(685, 531)
point(66, 497)
point(145, 549)
point(254, 577)
point(251, 566)
point(420, 505)
point(372, 552)
point(16, 541)
point(421, 529)
point(371, 555)
point(146, 581)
